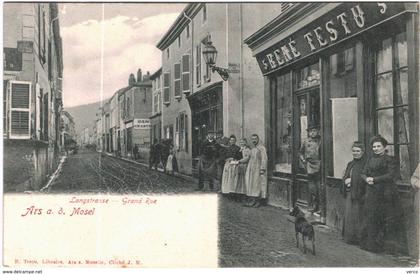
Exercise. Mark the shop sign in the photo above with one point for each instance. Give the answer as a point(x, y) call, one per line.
point(141, 123)
point(343, 22)
point(233, 68)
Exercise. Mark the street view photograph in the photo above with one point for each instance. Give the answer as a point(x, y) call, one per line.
point(301, 119)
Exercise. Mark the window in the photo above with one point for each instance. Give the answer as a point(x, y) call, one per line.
point(179, 41)
point(188, 31)
point(177, 81)
point(339, 137)
point(198, 64)
point(181, 132)
point(186, 73)
point(41, 34)
point(308, 76)
point(20, 98)
point(281, 92)
point(5, 111)
point(45, 116)
point(391, 98)
point(166, 88)
point(204, 13)
point(167, 53)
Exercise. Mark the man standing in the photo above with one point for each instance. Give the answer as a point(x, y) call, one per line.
point(310, 156)
point(136, 152)
point(256, 173)
point(207, 167)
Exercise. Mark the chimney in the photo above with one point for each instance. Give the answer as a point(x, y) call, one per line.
point(131, 80)
point(139, 76)
point(146, 77)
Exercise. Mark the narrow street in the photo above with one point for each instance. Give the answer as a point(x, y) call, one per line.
point(263, 237)
point(248, 237)
point(92, 172)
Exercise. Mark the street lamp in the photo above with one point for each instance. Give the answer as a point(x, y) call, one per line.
point(210, 56)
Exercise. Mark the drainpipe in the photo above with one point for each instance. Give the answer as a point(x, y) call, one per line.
point(192, 75)
point(241, 72)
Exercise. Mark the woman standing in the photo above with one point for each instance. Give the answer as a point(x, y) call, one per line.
point(380, 173)
point(242, 165)
point(354, 190)
point(232, 153)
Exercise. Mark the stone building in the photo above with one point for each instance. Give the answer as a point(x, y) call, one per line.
point(32, 101)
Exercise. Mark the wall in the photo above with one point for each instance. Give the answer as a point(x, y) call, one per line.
point(25, 167)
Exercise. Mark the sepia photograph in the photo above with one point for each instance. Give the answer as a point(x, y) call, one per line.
point(210, 135)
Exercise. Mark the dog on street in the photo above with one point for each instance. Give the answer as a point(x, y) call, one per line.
point(303, 227)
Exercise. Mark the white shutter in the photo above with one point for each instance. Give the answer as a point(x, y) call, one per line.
point(20, 105)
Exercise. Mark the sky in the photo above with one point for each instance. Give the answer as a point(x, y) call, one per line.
point(129, 32)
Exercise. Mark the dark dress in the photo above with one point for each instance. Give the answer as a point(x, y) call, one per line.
point(382, 210)
point(354, 200)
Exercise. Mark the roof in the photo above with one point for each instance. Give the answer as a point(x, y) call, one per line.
point(180, 23)
point(156, 74)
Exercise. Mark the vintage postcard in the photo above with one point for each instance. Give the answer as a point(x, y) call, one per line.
point(210, 135)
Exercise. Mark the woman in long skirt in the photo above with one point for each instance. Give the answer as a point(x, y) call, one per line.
point(229, 177)
point(242, 165)
point(382, 210)
point(354, 190)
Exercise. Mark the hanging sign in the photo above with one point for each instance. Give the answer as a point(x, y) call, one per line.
point(343, 22)
point(141, 123)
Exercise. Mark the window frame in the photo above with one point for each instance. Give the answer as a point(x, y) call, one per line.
point(394, 71)
point(11, 109)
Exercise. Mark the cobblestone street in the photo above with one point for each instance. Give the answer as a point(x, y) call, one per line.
point(263, 237)
point(92, 172)
point(248, 237)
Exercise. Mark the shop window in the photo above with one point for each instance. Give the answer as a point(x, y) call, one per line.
point(391, 99)
point(308, 76)
point(281, 92)
point(343, 99)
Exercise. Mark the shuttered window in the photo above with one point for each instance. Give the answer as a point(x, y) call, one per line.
point(20, 98)
point(166, 88)
point(185, 73)
point(177, 80)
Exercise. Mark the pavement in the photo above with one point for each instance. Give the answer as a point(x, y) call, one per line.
point(248, 237)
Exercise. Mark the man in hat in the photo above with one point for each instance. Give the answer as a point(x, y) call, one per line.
point(310, 156)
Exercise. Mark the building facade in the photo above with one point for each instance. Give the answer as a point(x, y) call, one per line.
point(32, 95)
point(196, 100)
point(68, 130)
point(156, 117)
point(352, 70)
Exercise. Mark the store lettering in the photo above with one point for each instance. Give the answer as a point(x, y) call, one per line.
point(331, 27)
point(281, 56)
point(354, 19)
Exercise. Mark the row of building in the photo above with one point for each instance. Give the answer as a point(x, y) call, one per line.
point(35, 127)
point(274, 69)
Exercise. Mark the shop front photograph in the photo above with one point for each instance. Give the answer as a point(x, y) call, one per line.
point(344, 77)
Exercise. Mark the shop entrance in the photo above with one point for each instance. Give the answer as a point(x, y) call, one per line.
point(306, 151)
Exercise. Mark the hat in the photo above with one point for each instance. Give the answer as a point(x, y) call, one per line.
point(313, 126)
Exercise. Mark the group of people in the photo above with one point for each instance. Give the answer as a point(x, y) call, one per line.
point(373, 212)
point(243, 173)
point(162, 154)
